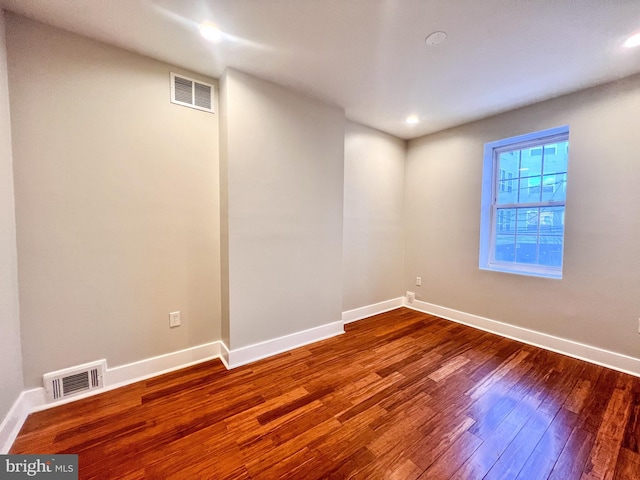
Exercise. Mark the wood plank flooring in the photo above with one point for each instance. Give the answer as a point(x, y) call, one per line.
point(402, 395)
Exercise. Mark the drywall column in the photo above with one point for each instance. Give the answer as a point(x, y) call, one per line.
point(10, 351)
point(373, 216)
point(283, 162)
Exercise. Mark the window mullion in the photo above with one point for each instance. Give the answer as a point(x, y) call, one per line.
point(554, 203)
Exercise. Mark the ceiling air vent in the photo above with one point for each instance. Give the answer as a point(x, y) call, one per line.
point(73, 381)
point(191, 93)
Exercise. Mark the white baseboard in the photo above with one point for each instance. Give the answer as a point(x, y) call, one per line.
point(35, 399)
point(251, 353)
point(12, 423)
point(370, 310)
point(151, 367)
point(588, 353)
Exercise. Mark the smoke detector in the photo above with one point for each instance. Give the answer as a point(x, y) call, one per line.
point(435, 38)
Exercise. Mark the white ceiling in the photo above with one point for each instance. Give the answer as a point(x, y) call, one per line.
point(370, 57)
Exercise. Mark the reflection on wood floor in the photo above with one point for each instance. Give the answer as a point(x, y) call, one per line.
point(402, 395)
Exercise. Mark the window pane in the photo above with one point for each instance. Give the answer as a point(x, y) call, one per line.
point(551, 250)
point(552, 221)
point(554, 187)
point(508, 163)
point(555, 157)
point(526, 249)
point(529, 190)
point(505, 248)
point(506, 221)
point(531, 164)
point(508, 191)
point(527, 222)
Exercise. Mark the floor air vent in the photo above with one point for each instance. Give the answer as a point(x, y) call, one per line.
point(73, 381)
point(191, 93)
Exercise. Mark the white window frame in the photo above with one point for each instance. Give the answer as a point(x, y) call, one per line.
point(489, 206)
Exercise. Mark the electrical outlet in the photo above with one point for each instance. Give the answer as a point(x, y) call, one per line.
point(639, 325)
point(418, 281)
point(411, 297)
point(174, 319)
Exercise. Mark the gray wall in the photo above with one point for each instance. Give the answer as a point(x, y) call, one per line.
point(117, 204)
point(284, 160)
point(10, 357)
point(373, 243)
point(597, 301)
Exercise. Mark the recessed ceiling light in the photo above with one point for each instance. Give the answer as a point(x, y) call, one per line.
point(435, 38)
point(633, 41)
point(210, 32)
point(412, 120)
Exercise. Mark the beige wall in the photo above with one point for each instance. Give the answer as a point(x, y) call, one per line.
point(284, 174)
point(121, 215)
point(117, 204)
point(597, 300)
point(373, 248)
point(10, 357)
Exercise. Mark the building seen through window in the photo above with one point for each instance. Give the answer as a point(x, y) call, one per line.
point(523, 224)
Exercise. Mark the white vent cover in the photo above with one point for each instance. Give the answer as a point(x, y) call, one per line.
point(191, 93)
point(75, 380)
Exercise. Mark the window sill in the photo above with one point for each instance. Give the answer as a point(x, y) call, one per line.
point(523, 271)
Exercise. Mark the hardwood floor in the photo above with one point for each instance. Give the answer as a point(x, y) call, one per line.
point(402, 395)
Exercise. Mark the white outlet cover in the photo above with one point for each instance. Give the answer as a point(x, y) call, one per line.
point(174, 319)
